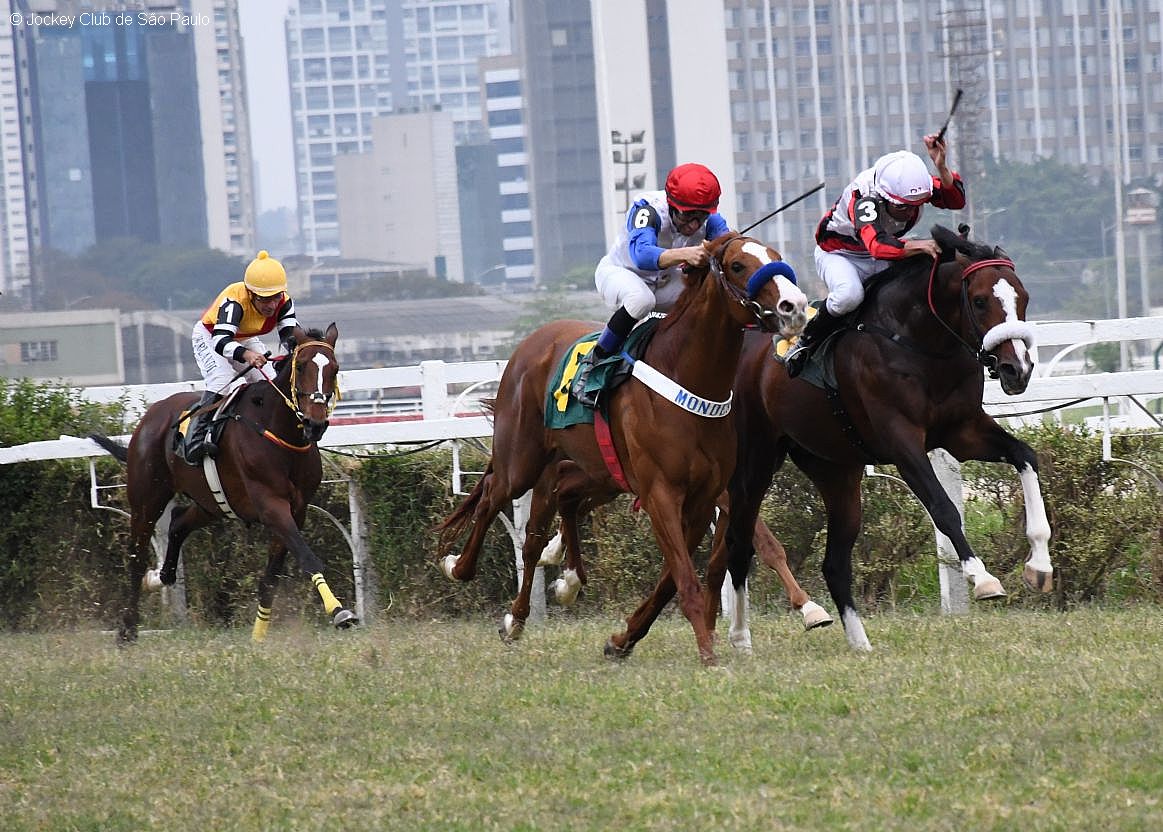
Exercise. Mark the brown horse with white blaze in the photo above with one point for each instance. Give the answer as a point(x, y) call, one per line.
point(267, 464)
point(675, 461)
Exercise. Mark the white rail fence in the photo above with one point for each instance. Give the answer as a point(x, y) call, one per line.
point(439, 402)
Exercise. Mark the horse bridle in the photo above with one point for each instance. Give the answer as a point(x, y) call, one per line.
point(317, 397)
point(984, 357)
point(762, 276)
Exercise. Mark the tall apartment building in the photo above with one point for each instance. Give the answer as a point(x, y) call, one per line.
point(505, 120)
point(818, 90)
point(228, 171)
point(16, 218)
point(351, 60)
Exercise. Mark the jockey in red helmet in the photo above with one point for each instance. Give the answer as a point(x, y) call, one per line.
point(663, 233)
point(863, 232)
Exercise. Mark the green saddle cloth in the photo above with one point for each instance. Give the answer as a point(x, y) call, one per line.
point(563, 410)
point(819, 369)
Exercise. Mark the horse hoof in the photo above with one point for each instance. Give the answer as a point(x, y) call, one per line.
point(511, 629)
point(566, 588)
point(741, 641)
point(151, 581)
point(988, 590)
point(1037, 580)
point(814, 616)
point(447, 564)
point(613, 651)
point(551, 554)
point(344, 619)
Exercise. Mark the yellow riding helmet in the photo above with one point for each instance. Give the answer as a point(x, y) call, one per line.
point(265, 276)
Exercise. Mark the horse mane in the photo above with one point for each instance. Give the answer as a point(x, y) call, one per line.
point(951, 242)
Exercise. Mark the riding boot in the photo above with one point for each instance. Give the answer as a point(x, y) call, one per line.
point(198, 443)
point(817, 330)
point(609, 342)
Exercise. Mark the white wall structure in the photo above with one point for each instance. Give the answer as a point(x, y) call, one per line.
point(398, 202)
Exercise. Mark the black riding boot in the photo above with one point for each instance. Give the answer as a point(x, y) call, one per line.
point(197, 441)
point(818, 328)
point(609, 342)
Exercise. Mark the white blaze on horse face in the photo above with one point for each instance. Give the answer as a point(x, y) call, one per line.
point(321, 361)
point(1013, 328)
point(758, 251)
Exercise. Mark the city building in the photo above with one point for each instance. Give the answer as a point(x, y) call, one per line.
point(352, 60)
point(398, 201)
point(504, 115)
point(121, 122)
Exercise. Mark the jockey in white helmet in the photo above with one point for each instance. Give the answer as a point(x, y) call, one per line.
point(863, 232)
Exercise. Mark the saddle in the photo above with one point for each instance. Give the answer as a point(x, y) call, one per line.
point(218, 416)
point(562, 409)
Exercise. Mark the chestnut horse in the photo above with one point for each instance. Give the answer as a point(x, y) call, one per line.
point(675, 461)
point(268, 466)
point(909, 378)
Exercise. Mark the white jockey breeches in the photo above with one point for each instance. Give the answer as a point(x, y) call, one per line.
point(619, 286)
point(845, 275)
point(217, 370)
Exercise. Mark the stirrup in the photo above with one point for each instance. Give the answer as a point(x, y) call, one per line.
point(797, 359)
point(578, 388)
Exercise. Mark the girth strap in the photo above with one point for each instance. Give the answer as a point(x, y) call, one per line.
point(609, 454)
point(210, 469)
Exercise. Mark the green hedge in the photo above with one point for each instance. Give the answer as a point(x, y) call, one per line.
point(65, 561)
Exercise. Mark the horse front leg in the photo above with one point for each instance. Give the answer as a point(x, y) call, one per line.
point(917, 472)
point(267, 585)
point(620, 645)
point(275, 514)
point(677, 537)
point(987, 441)
point(725, 558)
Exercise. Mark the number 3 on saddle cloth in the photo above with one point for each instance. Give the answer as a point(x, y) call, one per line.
point(561, 409)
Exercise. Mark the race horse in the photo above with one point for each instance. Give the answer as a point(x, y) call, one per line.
point(267, 465)
point(908, 379)
point(675, 461)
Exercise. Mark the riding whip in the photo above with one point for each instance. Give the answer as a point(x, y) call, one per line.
point(952, 110)
point(784, 207)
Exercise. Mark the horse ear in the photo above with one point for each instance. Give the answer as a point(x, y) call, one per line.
point(331, 335)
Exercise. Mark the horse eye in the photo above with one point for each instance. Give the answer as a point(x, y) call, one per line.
point(736, 267)
point(979, 303)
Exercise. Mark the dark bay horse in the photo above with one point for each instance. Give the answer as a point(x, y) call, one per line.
point(909, 379)
point(267, 463)
point(675, 461)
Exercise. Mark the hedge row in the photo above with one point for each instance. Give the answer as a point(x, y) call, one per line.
point(65, 560)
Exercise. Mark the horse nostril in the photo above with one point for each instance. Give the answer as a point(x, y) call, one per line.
point(786, 307)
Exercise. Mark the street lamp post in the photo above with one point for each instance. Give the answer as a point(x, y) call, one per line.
point(626, 157)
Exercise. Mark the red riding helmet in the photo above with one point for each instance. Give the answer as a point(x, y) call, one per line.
point(692, 187)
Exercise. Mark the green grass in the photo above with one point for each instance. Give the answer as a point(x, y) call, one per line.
point(1002, 719)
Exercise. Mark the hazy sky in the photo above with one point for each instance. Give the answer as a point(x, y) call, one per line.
point(269, 98)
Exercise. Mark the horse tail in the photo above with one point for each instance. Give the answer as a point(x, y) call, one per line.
point(456, 523)
point(116, 448)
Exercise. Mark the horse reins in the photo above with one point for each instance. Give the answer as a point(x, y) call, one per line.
point(330, 399)
point(762, 276)
point(982, 357)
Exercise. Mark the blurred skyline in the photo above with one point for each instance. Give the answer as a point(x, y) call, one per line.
point(268, 97)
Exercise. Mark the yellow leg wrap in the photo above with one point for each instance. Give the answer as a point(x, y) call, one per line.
point(262, 621)
point(330, 602)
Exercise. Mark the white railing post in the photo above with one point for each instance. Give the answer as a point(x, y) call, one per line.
point(365, 607)
point(434, 390)
point(954, 588)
